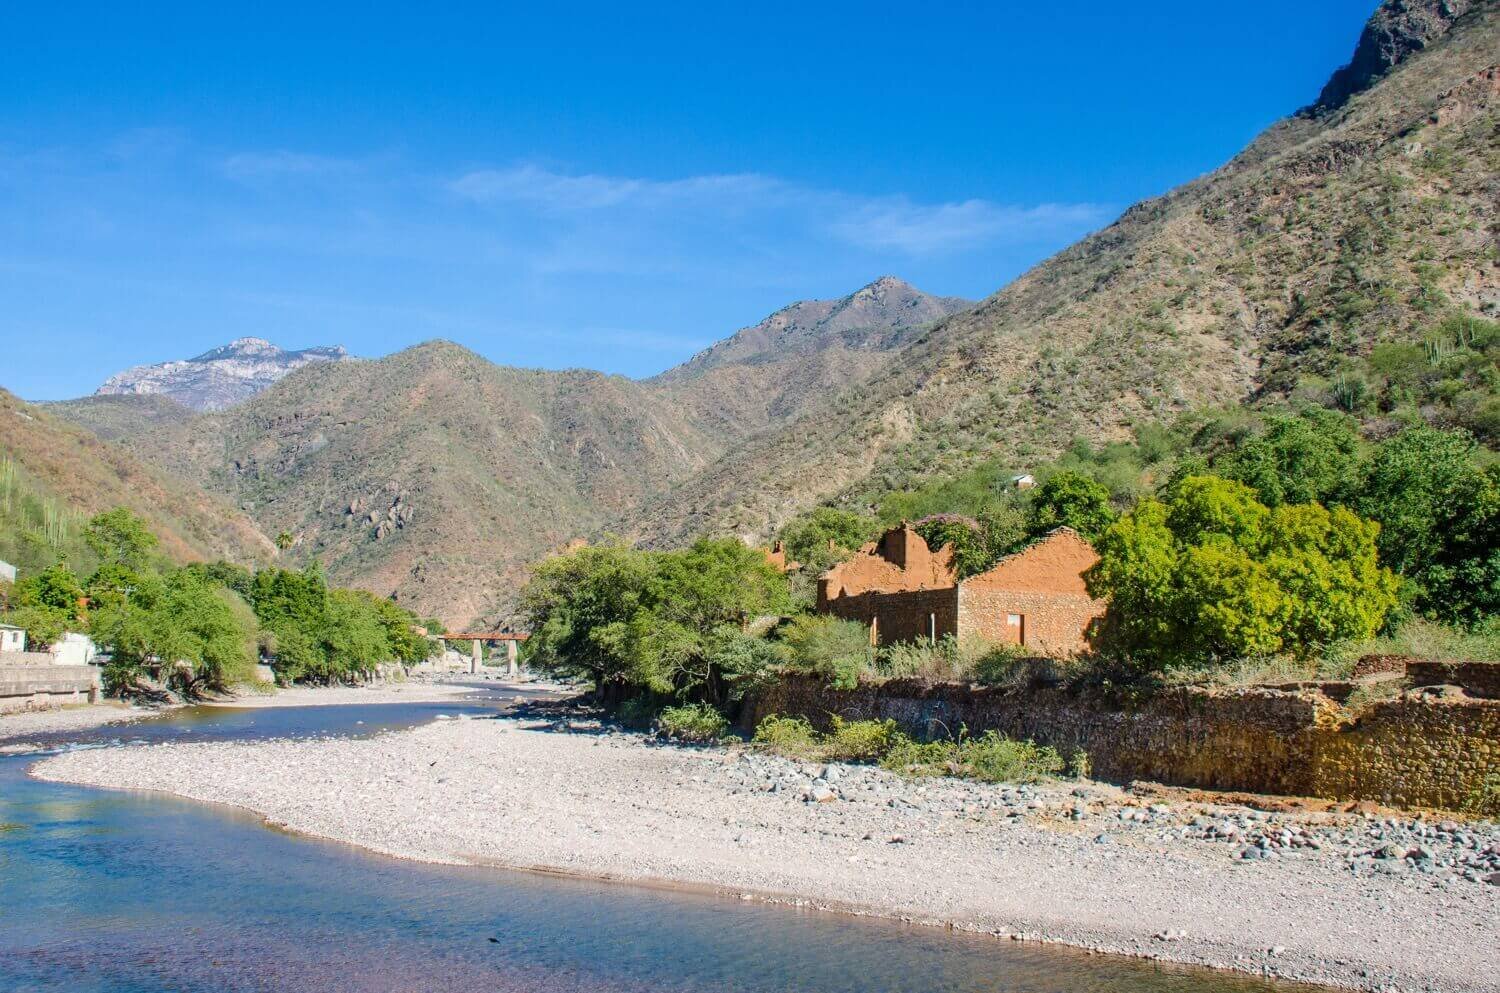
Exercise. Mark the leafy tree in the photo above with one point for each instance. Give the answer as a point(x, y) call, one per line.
point(1439, 512)
point(579, 606)
point(284, 541)
point(55, 588)
point(1074, 500)
point(670, 622)
point(120, 537)
point(971, 551)
point(179, 628)
point(1309, 458)
point(829, 647)
point(826, 536)
point(1215, 574)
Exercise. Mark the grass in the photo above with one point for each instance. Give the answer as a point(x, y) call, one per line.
point(991, 757)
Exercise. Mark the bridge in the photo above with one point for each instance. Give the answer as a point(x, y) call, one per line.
point(482, 637)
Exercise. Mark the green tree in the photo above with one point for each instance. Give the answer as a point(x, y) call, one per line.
point(1073, 500)
point(1308, 458)
point(47, 605)
point(826, 536)
point(180, 629)
point(120, 537)
point(971, 552)
point(284, 541)
point(1215, 574)
point(1439, 512)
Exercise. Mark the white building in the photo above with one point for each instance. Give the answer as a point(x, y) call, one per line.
point(74, 649)
point(7, 571)
point(12, 638)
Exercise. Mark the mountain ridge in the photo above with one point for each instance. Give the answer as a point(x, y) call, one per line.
point(220, 377)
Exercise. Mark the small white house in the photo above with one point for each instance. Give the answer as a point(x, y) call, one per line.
point(1024, 481)
point(7, 572)
point(74, 649)
point(12, 638)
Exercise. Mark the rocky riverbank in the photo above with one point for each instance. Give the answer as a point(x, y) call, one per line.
point(1351, 900)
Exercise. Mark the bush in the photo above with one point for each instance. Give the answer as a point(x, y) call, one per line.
point(830, 648)
point(693, 722)
point(790, 736)
point(922, 659)
point(991, 758)
point(638, 712)
point(861, 741)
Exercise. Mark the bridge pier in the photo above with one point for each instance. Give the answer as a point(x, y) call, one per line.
point(477, 659)
point(510, 658)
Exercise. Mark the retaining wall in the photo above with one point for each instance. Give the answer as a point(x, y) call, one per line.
point(1426, 747)
point(29, 687)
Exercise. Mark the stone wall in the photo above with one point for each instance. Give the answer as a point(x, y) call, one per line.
point(902, 616)
point(29, 687)
point(1426, 747)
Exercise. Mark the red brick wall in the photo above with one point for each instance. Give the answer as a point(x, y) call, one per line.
point(901, 616)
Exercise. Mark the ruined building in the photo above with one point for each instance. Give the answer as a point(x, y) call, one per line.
point(904, 591)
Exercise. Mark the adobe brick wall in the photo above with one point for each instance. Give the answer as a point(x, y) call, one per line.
point(902, 616)
point(1044, 585)
point(1054, 623)
point(1423, 749)
point(900, 560)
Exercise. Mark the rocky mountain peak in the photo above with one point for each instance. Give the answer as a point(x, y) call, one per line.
point(878, 316)
point(220, 377)
point(1397, 30)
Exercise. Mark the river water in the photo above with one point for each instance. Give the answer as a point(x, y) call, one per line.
point(134, 893)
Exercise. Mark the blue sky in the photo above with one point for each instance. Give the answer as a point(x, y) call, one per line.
point(583, 185)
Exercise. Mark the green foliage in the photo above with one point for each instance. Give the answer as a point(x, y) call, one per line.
point(1310, 458)
point(120, 537)
point(178, 627)
point(971, 551)
point(922, 659)
point(1439, 511)
point(826, 536)
point(696, 722)
point(1073, 500)
point(991, 758)
point(1217, 574)
point(793, 737)
point(861, 741)
point(669, 622)
point(833, 649)
point(47, 605)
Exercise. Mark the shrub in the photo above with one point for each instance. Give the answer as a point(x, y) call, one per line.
point(693, 722)
point(790, 736)
point(922, 659)
point(861, 741)
point(638, 712)
point(991, 758)
point(833, 649)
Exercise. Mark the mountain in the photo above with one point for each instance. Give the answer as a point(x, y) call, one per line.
point(1365, 218)
point(437, 476)
point(799, 356)
point(220, 377)
point(76, 475)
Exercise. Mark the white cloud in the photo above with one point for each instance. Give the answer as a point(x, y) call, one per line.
point(735, 202)
point(921, 229)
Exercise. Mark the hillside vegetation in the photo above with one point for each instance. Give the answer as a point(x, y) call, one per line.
point(54, 475)
point(1327, 250)
point(438, 477)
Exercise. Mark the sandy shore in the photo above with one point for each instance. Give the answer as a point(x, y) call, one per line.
point(1088, 865)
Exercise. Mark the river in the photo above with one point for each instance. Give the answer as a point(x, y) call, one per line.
point(133, 893)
